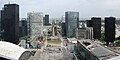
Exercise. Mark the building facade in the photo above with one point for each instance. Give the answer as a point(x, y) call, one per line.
point(84, 33)
point(71, 19)
point(10, 21)
point(96, 21)
point(63, 26)
point(110, 29)
point(23, 27)
point(46, 18)
point(35, 23)
point(89, 23)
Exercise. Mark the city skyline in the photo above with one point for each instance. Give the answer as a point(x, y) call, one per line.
point(67, 38)
point(56, 8)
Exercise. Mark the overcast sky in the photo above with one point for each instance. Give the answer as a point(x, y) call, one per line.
point(56, 8)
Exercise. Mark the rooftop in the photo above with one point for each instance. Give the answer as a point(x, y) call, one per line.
point(98, 50)
point(10, 50)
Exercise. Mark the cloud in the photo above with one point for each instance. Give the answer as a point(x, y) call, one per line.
point(56, 8)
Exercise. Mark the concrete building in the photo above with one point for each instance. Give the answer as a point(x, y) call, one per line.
point(71, 19)
point(110, 29)
point(84, 33)
point(63, 19)
point(93, 50)
point(35, 23)
point(10, 23)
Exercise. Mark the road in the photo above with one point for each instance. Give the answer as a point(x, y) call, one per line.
point(52, 54)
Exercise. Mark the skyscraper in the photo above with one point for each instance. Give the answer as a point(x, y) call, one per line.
point(89, 23)
point(71, 19)
point(23, 27)
point(46, 18)
point(96, 21)
point(35, 23)
point(2, 23)
point(63, 25)
point(110, 29)
point(11, 23)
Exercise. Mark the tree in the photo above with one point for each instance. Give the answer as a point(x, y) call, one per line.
point(102, 37)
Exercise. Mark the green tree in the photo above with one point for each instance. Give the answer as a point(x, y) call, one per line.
point(102, 37)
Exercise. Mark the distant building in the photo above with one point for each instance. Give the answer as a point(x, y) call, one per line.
point(58, 22)
point(23, 27)
point(96, 24)
point(63, 25)
point(10, 23)
point(46, 20)
point(71, 19)
point(53, 28)
point(82, 24)
point(110, 29)
point(89, 23)
point(84, 33)
point(63, 18)
point(35, 23)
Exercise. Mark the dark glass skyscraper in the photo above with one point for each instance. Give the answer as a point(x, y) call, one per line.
point(110, 29)
point(46, 18)
point(2, 23)
point(23, 28)
point(96, 21)
point(11, 23)
point(63, 25)
point(89, 23)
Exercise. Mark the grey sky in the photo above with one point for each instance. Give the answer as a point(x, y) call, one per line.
point(56, 8)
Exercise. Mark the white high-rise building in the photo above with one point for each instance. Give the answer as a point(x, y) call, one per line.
point(35, 23)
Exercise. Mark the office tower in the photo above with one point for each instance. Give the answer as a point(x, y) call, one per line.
point(89, 23)
point(110, 29)
point(96, 21)
point(10, 21)
point(35, 23)
point(23, 27)
point(28, 27)
point(84, 33)
point(2, 23)
point(63, 18)
point(63, 25)
point(71, 19)
point(46, 19)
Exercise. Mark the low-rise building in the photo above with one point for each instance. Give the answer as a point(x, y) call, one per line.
point(92, 50)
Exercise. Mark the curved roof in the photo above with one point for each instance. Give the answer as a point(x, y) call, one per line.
point(10, 50)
